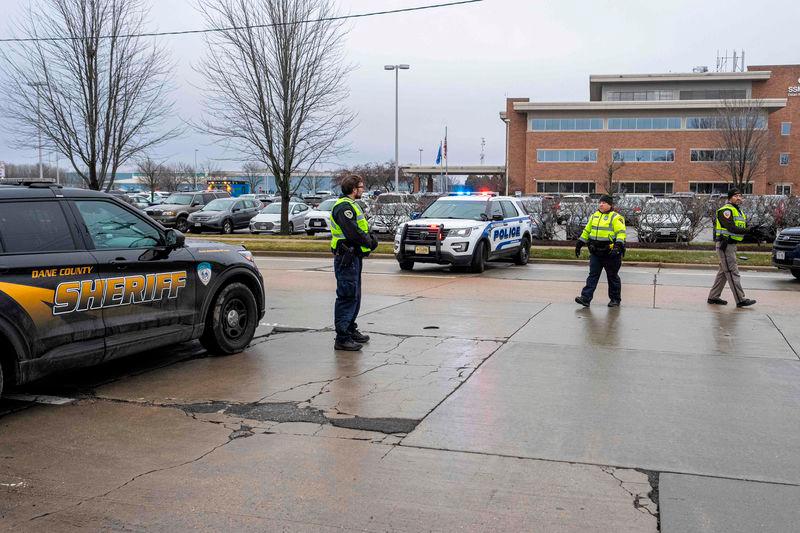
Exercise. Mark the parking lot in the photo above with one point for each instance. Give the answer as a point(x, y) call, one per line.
point(483, 402)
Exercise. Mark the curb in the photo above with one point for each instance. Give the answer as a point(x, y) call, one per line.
point(685, 266)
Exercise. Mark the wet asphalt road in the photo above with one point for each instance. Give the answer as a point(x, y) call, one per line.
point(486, 402)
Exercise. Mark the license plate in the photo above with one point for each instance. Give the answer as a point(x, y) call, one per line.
point(665, 231)
point(197, 224)
point(422, 250)
point(780, 255)
point(316, 224)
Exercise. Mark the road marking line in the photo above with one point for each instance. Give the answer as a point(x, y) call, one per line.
point(41, 398)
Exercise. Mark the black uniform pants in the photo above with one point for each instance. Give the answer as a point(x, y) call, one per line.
point(611, 262)
point(348, 295)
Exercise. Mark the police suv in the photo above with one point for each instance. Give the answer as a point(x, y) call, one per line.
point(85, 278)
point(466, 230)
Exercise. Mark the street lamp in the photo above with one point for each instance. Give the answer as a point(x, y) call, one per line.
point(194, 171)
point(37, 86)
point(420, 156)
point(396, 69)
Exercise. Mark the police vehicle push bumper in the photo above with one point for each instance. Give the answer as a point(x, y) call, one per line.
point(432, 243)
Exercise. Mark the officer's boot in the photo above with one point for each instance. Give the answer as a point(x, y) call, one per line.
point(348, 345)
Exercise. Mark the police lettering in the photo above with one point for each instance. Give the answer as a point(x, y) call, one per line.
point(506, 233)
point(75, 296)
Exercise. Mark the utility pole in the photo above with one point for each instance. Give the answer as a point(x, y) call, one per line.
point(483, 149)
point(420, 156)
point(38, 86)
point(194, 171)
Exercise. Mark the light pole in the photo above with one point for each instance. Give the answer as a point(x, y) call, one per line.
point(396, 69)
point(37, 86)
point(420, 156)
point(194, 171)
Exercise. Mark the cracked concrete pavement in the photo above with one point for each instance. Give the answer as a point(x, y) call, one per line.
point(482, 402)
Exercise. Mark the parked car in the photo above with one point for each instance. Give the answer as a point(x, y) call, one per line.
point(567, 204)
point(175, 210)
point(317, 219)
point(223, 215)
point(786, 251)
point(664, 219)
point(630, 206)
point(386, 218)
point(269, 219)
point(574, 225)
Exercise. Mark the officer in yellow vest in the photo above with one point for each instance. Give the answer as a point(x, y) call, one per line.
point(730, 227)
point(605, 236)
point(351, 242)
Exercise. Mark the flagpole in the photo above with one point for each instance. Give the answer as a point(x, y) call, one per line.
point(446, 179)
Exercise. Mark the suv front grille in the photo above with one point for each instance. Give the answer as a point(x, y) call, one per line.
point(786, 242)
point(423, 234)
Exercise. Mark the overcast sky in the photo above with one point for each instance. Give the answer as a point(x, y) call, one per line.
point(466, 59)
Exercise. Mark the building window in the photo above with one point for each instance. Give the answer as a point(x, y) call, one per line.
point(783, 189)
point(709, 155)
point(644, 156)
point(786, 128)
point(784, 159)
point(702, 187)
point(645, 123)
point(714, 94)
point(566, 156)
point(566, 187)
point(566, 124)
point(644, 187)
point(720, 123)
point(631, 96)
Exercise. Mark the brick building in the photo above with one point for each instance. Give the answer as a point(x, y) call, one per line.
point(661, 125)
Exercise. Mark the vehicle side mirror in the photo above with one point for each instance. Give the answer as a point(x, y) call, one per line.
point(497, 217)
point(236, 209)
point(174, 239)
point(415, 215)
point(195, 204)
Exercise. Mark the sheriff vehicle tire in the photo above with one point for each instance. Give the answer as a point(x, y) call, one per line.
point(524, 254)
point(232, 320)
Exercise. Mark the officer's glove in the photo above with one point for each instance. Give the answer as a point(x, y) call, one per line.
point(621, 247)
point(374, 239)
point(578, 246)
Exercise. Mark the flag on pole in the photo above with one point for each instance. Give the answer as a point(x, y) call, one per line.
point(439, 155)
point(444, 153)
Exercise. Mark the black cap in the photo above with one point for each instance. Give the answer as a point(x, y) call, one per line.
point(607, 198)
point(733, 192)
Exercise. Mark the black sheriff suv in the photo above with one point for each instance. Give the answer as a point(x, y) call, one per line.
point(85, 278)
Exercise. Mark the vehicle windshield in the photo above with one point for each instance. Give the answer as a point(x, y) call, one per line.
point(272, 209)
point(327, 205)
point(663, 208)
point(220, 204)
point(474, 210)
point(179, 199)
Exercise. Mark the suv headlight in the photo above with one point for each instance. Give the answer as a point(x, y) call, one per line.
point(168, 213)
point(247, 254)
point(461, 232)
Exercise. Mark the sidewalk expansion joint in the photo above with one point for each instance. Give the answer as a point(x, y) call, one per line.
point(784, 337)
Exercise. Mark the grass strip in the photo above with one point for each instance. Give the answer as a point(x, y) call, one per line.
point(695, 257)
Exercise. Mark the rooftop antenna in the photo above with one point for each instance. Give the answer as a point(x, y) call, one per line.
point(483, 149)
point(731, 63)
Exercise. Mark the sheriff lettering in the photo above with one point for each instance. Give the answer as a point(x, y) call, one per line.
point(77, 296)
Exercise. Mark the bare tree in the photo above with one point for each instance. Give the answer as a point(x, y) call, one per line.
point(151, 174)
point(608, 181)
point(176, 175)
point(377, 176)
point(211, 169)
point(31, 172)
point(97, 93)
point(744, 142)
point(276, 84)
point(253, 173)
